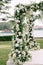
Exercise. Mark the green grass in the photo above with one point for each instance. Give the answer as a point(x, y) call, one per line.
point(3, 56)
point(4, 51)
point(40, 40)
point(5, 42)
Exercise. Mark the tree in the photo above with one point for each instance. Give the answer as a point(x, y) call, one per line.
point(4, 10)
point(5, 15)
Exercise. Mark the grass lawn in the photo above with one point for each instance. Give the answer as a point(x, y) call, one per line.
point(5, 48)
point(40, 40)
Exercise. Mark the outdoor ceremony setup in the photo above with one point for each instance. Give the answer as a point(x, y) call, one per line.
point(25, 50)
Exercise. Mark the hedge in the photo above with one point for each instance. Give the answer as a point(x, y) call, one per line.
point(6, 38)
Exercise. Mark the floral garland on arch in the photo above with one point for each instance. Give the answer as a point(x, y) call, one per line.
point(23, 26)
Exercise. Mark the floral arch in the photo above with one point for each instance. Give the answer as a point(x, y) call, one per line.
point(23, 40)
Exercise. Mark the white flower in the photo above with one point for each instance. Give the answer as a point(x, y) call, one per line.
point(19, 55)
point(37, 12)
point(17, 21)
point(16, 38)
point(18, 10)
point(19, 33)
point(23, 52)
point(14, 55)
point(17, 27)
point(20, 40)
point(26, 48)
point(27, 32)
point(16, 50)
point(31, 43)
point(17, 45)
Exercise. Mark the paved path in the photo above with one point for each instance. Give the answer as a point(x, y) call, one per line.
point(37, 58)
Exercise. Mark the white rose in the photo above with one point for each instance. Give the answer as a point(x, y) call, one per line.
point(26, 47)
point(19, 33)
point(17, 27)
point(18, 11)
point(19, 55)
point(20, 40)
point(31, 43)
point(17, 21)
point(23, 53)
point(16, 50)
point(14, 55)
point(16, 45)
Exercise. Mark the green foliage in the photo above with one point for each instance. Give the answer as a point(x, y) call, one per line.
point(4, 51)
point(6, 38)
point(41, 5)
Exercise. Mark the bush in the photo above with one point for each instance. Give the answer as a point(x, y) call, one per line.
point(6, 38)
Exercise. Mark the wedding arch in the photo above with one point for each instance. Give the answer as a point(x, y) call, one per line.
point(23, 22)
point(23, 40)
